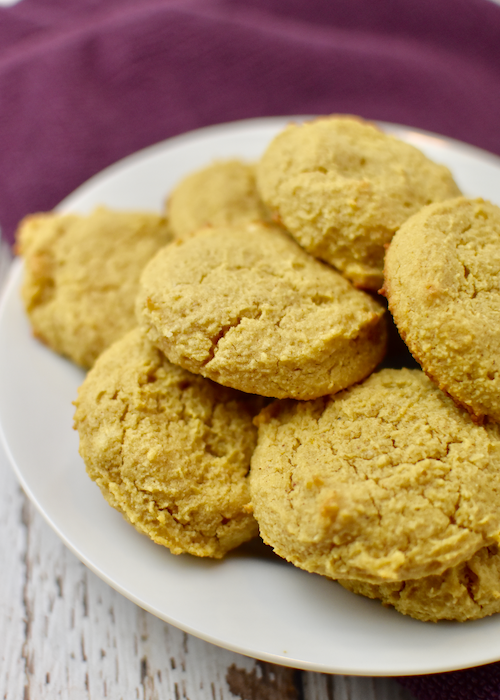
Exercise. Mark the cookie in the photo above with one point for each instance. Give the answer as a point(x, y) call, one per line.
point(168, 449)
point(248, 308)
point(468, 591)
point(81, 276)
point(223, 193)
point(443, 287)
point(342, 188)
point(387, 481)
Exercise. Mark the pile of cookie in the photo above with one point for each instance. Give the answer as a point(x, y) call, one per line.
point(233, 341)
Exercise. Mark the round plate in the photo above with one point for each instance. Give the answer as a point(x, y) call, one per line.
point(250, 602)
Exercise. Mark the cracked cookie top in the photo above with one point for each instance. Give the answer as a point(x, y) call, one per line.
point(81, 276)
point(247, 307)
point(443, 287)
point(342, 187)
point(168, 449)
point(386, 481)
point(223, 193)
point(468, 591)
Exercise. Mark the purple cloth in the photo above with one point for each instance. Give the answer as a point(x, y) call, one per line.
point(481, 683)
point(85, 83)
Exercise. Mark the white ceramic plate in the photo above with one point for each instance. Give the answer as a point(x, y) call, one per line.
point(251, 602)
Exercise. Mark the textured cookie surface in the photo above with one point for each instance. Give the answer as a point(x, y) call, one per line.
point(468, 591)
point(247, 307)
point(223, 193)
point(387, 481)
point(342, 188)
point(82, 274)
point(168, 449)
point(443, 287)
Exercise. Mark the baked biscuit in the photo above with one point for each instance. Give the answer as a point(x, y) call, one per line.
point(387, 481)
point(468, 591)
point(342, 188)
point(222, 194)
point(443, 287)
point(168, 449)
point(81, 276)
point(248, 308)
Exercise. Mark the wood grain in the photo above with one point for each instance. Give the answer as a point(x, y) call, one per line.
point(13, 627)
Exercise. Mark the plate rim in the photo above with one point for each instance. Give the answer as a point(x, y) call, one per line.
point(213, 129)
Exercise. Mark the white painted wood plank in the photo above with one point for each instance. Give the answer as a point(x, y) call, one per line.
point(319, 686)
point(12, 579)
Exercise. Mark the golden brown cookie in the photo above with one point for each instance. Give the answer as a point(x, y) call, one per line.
point(443, 286)
point(168, 449)
point(222, 194)
point(342, 188)
point(468, 591)
point(386, 481)
point(248, 308)
point(81, 276)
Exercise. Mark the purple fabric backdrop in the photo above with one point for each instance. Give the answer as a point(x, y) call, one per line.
point(85, 83)
point(481, 683)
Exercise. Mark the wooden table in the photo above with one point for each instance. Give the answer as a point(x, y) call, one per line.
point(66, 635)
